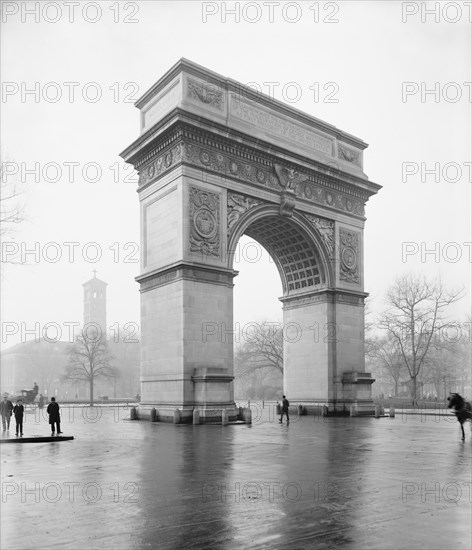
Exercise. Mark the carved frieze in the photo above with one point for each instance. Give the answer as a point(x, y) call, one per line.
point(230, 165)
point(206, 92)
point(256, 116)
point(204, 213)
point(349, 155)
point(302, 301)
point(266, 176)
point(237, 206)
point(349, 256)
point(160, 165)
point(326, 230)
point(157, 280)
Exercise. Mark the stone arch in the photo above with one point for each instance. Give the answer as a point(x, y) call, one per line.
point(213, 165)
point(296, 246)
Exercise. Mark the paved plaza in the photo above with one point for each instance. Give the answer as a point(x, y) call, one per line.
point(317, 483)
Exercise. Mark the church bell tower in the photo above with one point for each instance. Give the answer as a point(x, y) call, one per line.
point(95, 302)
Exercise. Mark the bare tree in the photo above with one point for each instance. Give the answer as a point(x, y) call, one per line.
point(263, 348)
point(258, 364)
point(11, 202)
point(415, 314)
point(369, 326)
point(89, 358)
point(386, 351)
point(448, 364)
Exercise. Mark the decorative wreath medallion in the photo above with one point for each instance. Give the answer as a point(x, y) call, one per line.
point(349, 257)
point(205, 157)
point(205, 223)
point(168, 160)
point(308, 191)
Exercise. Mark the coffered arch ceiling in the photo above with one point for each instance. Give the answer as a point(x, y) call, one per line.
point(299, 257)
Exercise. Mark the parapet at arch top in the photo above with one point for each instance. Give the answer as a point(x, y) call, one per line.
point(217, 160)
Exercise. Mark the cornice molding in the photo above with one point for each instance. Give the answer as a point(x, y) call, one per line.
point(192, 147)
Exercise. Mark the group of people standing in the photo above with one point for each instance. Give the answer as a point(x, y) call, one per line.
point(7, 410)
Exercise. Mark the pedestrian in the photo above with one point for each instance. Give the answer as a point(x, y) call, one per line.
point(54, 416)
point(6, 408)
point(18, 411)
point(285, 405)
point(41, 401)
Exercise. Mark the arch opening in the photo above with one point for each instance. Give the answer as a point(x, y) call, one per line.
point(296, 253)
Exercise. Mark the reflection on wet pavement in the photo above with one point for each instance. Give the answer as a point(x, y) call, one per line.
point(319, 483)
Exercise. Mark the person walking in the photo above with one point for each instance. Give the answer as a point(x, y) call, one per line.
point(6, 408)
point(41, 401)
point(285, 406)
point(18, 411)
point(54, 416)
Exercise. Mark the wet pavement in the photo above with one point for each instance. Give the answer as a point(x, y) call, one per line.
point(358, 483)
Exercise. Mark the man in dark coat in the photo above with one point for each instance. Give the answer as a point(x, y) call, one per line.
point(54, 416)
point(18, 411)
point(6, 408)
point(285, 405)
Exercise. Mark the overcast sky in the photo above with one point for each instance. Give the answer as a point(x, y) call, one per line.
point(366, 67)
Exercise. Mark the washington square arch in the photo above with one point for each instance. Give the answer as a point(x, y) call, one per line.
point(216, 161)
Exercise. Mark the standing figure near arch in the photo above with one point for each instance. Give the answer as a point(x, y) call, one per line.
point(6, 409)
point(19, 411)
point(54, 416)
point(285, 405)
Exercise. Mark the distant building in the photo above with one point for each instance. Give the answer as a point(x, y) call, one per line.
point(35, 361)
point(44, 361)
